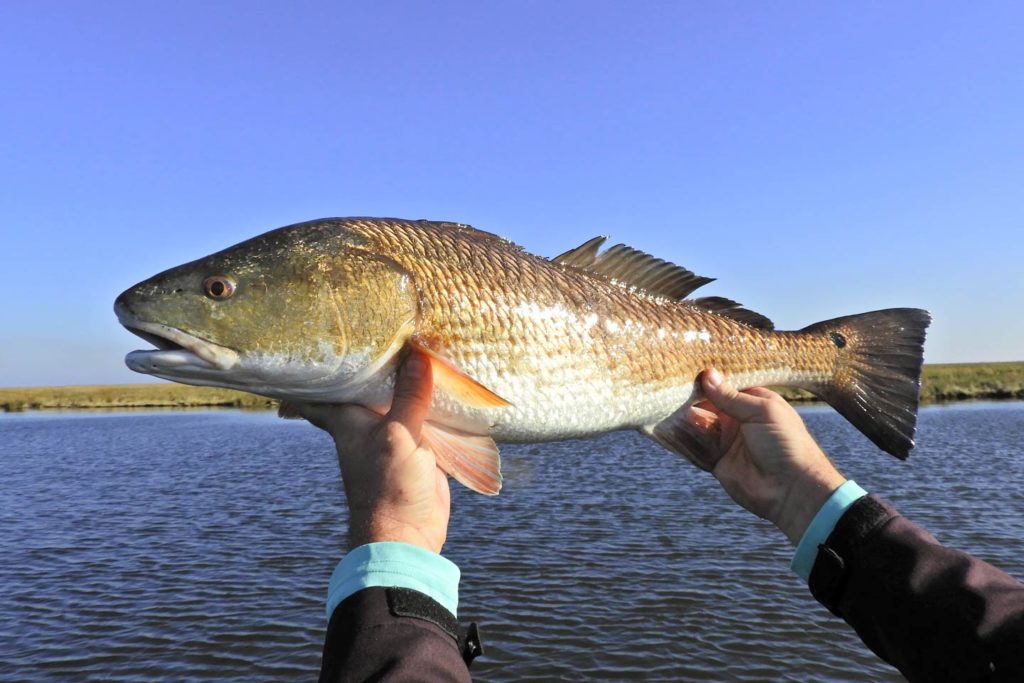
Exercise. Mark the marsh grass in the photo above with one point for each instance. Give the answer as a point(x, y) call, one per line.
point(127, 396)
point(942, 382)
point(956, 382)
point(961, 381)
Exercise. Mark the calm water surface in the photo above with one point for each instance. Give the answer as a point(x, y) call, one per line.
point(196, 546)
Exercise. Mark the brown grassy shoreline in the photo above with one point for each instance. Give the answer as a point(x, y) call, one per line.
point(113, 396)
point(941, 382)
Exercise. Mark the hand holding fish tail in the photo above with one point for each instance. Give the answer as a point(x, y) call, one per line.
point(758, 448)
point(394, 489)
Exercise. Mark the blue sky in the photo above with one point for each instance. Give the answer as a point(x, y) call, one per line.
point(819, 159)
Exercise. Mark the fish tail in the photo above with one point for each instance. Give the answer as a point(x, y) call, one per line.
point(877, 379)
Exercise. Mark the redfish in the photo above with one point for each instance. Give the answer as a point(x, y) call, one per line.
point(523, 348)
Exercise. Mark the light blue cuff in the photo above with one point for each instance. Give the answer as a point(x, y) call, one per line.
point(822, 525)
point(395, 564)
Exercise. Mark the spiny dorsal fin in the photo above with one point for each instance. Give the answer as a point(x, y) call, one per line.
point(582, 256)
point(633, 268)
point(733, 310)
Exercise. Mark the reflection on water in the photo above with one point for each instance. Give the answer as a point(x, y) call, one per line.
point(197, 546)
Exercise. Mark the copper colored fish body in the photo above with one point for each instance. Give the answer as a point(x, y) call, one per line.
point(523, 348)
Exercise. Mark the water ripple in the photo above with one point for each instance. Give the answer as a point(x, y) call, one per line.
point(197, 546)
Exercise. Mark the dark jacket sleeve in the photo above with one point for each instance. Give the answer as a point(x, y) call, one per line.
point(934, 613)
point(395, 635)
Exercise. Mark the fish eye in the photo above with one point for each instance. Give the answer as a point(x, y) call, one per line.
point(219, 286)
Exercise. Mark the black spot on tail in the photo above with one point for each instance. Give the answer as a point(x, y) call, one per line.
point(878, 376)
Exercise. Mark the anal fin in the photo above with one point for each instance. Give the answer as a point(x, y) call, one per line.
point(686, 432)
point(288, 411)
point(471, 459)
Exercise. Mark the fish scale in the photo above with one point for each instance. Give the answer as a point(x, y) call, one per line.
point(566, 352)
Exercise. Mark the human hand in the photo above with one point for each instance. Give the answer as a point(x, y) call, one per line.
point(758, 448)
point(395, 490)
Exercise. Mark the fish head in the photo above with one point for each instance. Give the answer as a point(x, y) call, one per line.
point(300, 312)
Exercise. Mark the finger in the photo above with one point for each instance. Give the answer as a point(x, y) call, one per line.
point(709, 407)
point(413, 388)
point(761, 392)
point(738, 405)
point(317, 414)
point(335, 419)
point(702, 419)
point(714, 421)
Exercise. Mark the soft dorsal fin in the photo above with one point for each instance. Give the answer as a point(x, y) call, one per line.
point(633, 268)
point(733, 310)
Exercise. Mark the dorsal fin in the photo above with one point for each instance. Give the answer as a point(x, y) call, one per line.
point(733, 310)
point(582, 256)
point(634, 268)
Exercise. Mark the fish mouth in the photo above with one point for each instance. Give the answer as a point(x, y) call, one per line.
point(177, 352)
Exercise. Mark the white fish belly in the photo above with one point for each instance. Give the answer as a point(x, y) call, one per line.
point(586, 410)
point(549, 412)
point(570, 401)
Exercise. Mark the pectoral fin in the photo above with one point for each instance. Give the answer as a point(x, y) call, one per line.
point(458, 384)
point(471, 459)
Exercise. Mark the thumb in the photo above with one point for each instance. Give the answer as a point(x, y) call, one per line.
point(413, 388)
point(737, 405)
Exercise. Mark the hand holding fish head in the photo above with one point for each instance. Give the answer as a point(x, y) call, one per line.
point(394, 488)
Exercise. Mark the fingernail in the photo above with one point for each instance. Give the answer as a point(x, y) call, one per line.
point(713, 377)
point(415, 366)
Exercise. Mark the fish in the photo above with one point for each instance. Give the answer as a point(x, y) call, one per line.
point(522, 348)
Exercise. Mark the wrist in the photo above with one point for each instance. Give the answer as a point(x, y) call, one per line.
point(822, 525)
point(395, 565)
point(380, 527)
point(803, 499)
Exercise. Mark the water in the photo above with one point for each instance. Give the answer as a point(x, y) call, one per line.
point(196, 546)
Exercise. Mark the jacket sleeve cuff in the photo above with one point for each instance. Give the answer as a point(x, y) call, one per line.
point(822, 525)
point(395, 565)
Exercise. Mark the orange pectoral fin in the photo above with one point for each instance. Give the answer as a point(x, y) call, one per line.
point(458, 384)
point(471, 459)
